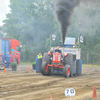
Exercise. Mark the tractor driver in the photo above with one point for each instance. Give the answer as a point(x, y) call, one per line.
point(57, 50)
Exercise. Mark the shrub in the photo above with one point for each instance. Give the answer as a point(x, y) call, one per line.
point(34, 65)
point(14, 64)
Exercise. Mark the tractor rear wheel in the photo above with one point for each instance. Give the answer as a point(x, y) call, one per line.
point(69, 60)
point(43, 69)
point(46, 58)
point(66, 71)
point(78, 68)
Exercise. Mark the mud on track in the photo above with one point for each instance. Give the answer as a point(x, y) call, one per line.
point(23, 85)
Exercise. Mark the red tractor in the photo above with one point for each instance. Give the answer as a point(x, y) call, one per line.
point(55, 61)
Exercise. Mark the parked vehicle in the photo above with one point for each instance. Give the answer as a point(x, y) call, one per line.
point(12, 46)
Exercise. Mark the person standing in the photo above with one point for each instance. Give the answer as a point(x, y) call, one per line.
point(13, 56)
point(39, 56)
point(38, 62)
point(8, 60)
point(2, 57)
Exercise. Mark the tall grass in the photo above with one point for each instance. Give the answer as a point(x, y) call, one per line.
point(25, 63)
point(89, 65)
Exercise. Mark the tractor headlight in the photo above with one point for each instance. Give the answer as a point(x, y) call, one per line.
point(51, 58)
point(5, 61)
point(61, 58)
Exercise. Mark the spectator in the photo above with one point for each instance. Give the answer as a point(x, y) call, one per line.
point(2, 57)
point(39, 56)
point(8, 60)
point(13, 56)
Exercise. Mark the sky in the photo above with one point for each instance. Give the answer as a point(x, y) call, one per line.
point(4, 9)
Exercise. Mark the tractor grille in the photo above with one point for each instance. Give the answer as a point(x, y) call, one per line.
point(57, 57)
point(54, 57)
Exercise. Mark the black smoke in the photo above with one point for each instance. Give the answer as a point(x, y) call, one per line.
point(63, 12)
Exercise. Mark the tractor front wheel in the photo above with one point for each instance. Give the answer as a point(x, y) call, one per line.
point(69, 60)
point(66, 71)
point(45, 71)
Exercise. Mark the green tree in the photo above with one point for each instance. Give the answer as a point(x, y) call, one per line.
point(30, 23)
point(1, 32)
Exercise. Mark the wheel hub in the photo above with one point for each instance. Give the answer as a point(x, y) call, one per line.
point(68, 71)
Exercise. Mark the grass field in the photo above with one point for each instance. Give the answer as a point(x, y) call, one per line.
point(25, 63)
point(84, 65)
point(89, 65)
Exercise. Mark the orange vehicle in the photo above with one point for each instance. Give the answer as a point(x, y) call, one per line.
point(12, 46)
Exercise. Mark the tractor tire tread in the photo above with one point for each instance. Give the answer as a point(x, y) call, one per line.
point(69, 60)
point(65, 71)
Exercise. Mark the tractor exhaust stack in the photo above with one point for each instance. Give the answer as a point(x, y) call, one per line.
point(63, 51)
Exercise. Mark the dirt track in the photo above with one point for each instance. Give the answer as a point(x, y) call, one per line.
point(33, 86)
